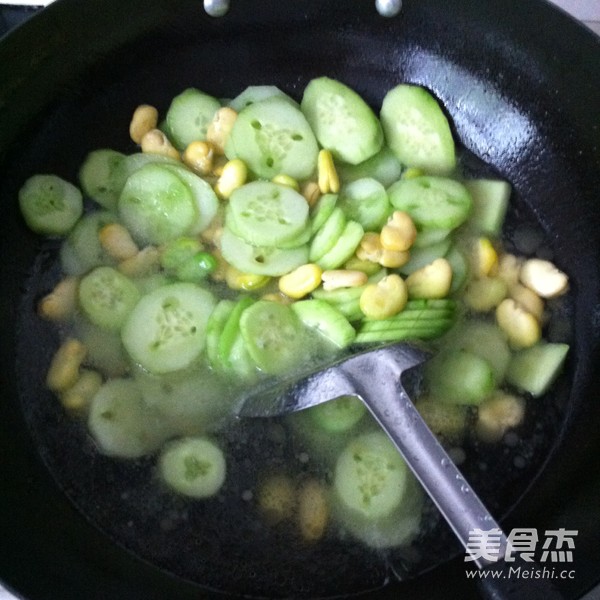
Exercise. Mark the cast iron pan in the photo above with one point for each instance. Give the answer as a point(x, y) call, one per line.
point(521, 84)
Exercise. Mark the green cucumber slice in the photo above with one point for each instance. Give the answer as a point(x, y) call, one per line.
point(534, 369)
point(339, 296)
point(205, 199)
point(256, 93)
point(490, 203)
point(417, 130)
point(432, 202)
point(343, 248)
point(50, 205)
point(365, 201)
point(273, 137)
point(231, 331)
point(370, 476)
point(107, 297)
point(214, 329)
point(156, 205)
point(460, 377)
point(421, 257)
point(105, 350)
point(273, 336)
point(189, 116)
point(121, 423)
point(97, 177)
point(132, 163)
point(267, 214)
point(327, 236)
point(430, 237)
point(326, 320)
point(322, 211)
point(260, 260)
point(82, 251)
point(194, 467)
point(384, 167)
point(460, 268)
point(166, 331)
point(342, 121)
point(338, 415)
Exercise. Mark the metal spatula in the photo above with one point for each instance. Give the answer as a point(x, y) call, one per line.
point(375, 376)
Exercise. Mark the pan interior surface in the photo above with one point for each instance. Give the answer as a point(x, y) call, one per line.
point(508, 107)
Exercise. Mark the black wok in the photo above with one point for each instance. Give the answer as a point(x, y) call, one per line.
point(521, 84)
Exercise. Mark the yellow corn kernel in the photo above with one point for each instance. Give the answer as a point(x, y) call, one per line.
point(145, 118)
point(431, 281)
point(392, 259)
point(521, 327)
point(399, 233)
point(498, 414)
point(301, 281)
point(277, 498)
point(117, 241)
point(384, 299)
point(484, 258)
point(199, 156)
point(145, 262)
point(78, 397)
point(61, 302)
point(286, 180)
point(509, 268)
point(236, 280)
point(412, 173)
point(64, 368)
point(220, 127)
point(156, 142)
point(343, 278)
point(370, 247)
point(313, 510)
point(485, 293)
point(311, 192)
point(528, 299)
point(366, 266)
point(234, 175)
point(329, 182)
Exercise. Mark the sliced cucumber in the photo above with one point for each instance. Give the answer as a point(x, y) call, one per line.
point(97, 177)
point(486, 340)
point(156, 205)
point(260, 260)
point(273, 336)
point(327, 320)
point(344, 247)
point(189, 116)
point(490, 203)
point(166, 331)
point(266, 214)
point(397, 333)
point(205, 199)
point(132, 163)
point(50, 205)
point(327, 235)
point(365, 201)
point(120, 422)
point(322, 211)
point(272, 137)
point(231, 331)
point(460, 377)
point(384, 167)
point(432, 202)
point(340, 295)
point(214, 329)
point(82, 250)
point(193, 467)
point(256, 93)
point(460, 268)
point(338, 415)
point(107, 297)
point(370, 476)
point(342, 121)
point(430, 237)
point(534, 369)
point(417, 130)
point(421, 257)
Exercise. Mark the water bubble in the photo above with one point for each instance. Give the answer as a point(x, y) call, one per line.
point(445, 462)
point(465, 489)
